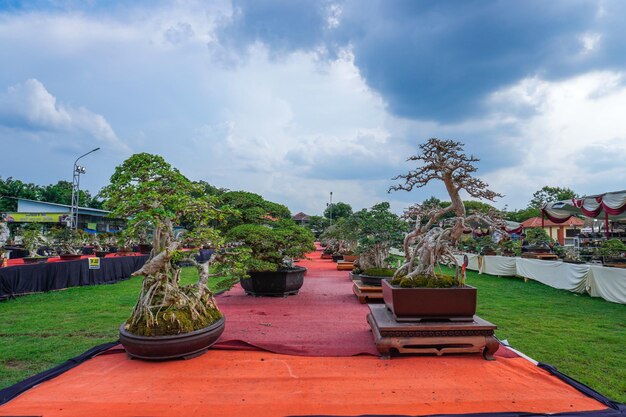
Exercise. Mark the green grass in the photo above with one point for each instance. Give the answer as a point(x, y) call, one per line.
point(583, 337)
point(40, 331)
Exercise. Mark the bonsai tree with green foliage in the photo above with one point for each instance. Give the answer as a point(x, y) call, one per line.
point(32, 238)
point(275, 246)
point(537, 236)
point(147, 190)
point(67, 240)
point(250, 208)
point(342, 236)
point(612, 248)
point(379, 230)
point(431, 241)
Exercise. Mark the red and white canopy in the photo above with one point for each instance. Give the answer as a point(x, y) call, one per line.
point(608, 206)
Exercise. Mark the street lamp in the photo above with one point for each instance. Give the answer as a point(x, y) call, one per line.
point(330, 207)
point(75, 189)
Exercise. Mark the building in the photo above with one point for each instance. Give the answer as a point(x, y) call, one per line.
point(557, 231)
point(301, 218)
point(32, 211)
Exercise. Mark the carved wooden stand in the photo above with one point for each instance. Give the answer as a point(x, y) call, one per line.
point(366, 293)
point(430, 337)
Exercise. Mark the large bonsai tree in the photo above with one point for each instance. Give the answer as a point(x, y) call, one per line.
point(148, 191)
point(431, 241)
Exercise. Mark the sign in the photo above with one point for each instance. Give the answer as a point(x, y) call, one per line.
point(35, 217)
point(94, 263)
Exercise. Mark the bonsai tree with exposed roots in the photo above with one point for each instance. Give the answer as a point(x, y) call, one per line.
point(432, 240)
point(148, 191)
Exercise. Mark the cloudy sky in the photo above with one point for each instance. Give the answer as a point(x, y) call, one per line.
point(294, 99)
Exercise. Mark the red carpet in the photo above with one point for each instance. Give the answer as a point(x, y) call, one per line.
point(324, 319)
point(256, 384)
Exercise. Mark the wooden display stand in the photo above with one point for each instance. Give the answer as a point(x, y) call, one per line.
point(439, 337)
point(345, 266)
point(366, 293)
point(542, 256)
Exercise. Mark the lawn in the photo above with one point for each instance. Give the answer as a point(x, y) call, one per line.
point(583, 337)
point(40, 331)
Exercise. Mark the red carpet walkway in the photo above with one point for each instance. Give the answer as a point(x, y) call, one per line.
point(324, 319)
point(323, 322)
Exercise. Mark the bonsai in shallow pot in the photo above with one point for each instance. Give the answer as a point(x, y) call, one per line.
point(68, 242)
point(32, 239)
point(170, 320)
point(417, 291)
point(273, 248)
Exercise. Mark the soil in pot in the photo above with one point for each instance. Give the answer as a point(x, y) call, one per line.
point(184, 345)
point(279, 283)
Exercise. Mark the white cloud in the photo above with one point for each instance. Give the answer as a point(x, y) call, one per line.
point(589, 41)
point(576, 136)
point(29, 106)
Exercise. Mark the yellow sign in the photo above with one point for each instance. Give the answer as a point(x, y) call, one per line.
point(35, 217)
point(94, 263)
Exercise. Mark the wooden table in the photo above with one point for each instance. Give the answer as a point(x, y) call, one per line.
point(366, 293)
point(392, 337)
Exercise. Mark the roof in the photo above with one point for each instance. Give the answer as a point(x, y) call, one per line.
point(61, 205)
point(300, 216)
point(536, 222)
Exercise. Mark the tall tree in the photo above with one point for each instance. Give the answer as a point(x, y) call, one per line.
point(549, 194)
point(338, 210)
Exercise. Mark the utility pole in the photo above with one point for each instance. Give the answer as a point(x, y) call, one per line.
point(330, 207)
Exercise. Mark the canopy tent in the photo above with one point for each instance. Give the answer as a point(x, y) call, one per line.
point(607, 206)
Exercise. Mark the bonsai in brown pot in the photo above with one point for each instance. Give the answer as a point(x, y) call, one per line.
point(170, 320)
point(417, 290)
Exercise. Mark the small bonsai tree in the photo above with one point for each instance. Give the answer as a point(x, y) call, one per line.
point(146, 189)
point(431, 242)
point(341, 238)
point(32, 238)
point(273, 247)
point(537, 236)
point(67, 240)
point(612, 248)
point(379, 230)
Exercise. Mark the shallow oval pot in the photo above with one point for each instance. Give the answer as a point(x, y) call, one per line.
point(180, 346)
point(373, 280)
point(274, 283)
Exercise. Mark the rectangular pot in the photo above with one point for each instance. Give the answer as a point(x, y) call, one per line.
point(458, 303)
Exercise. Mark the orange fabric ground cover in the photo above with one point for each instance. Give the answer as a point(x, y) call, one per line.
point(250, 383)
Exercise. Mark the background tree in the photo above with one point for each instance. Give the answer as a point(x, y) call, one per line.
point(379, 230)
point(338, 210)
point(317, 225)
point(342, 236)
point(445, 161)
point(147, 190)
point(549, 194)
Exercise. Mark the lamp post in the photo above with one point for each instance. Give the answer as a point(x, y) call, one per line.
point(330, 207)
point(75, 189)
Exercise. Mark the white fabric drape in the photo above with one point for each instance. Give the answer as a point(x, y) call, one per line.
point(608, 283)
point(598, 281)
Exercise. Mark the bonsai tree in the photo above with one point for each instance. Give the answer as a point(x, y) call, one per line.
point(146, 189)
point(430, 242)
point(612, 248)
point(273, 247)
point(537, 236)
point(67, 240)
point(341, 238)
point(379, 230)
point(32, 238)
